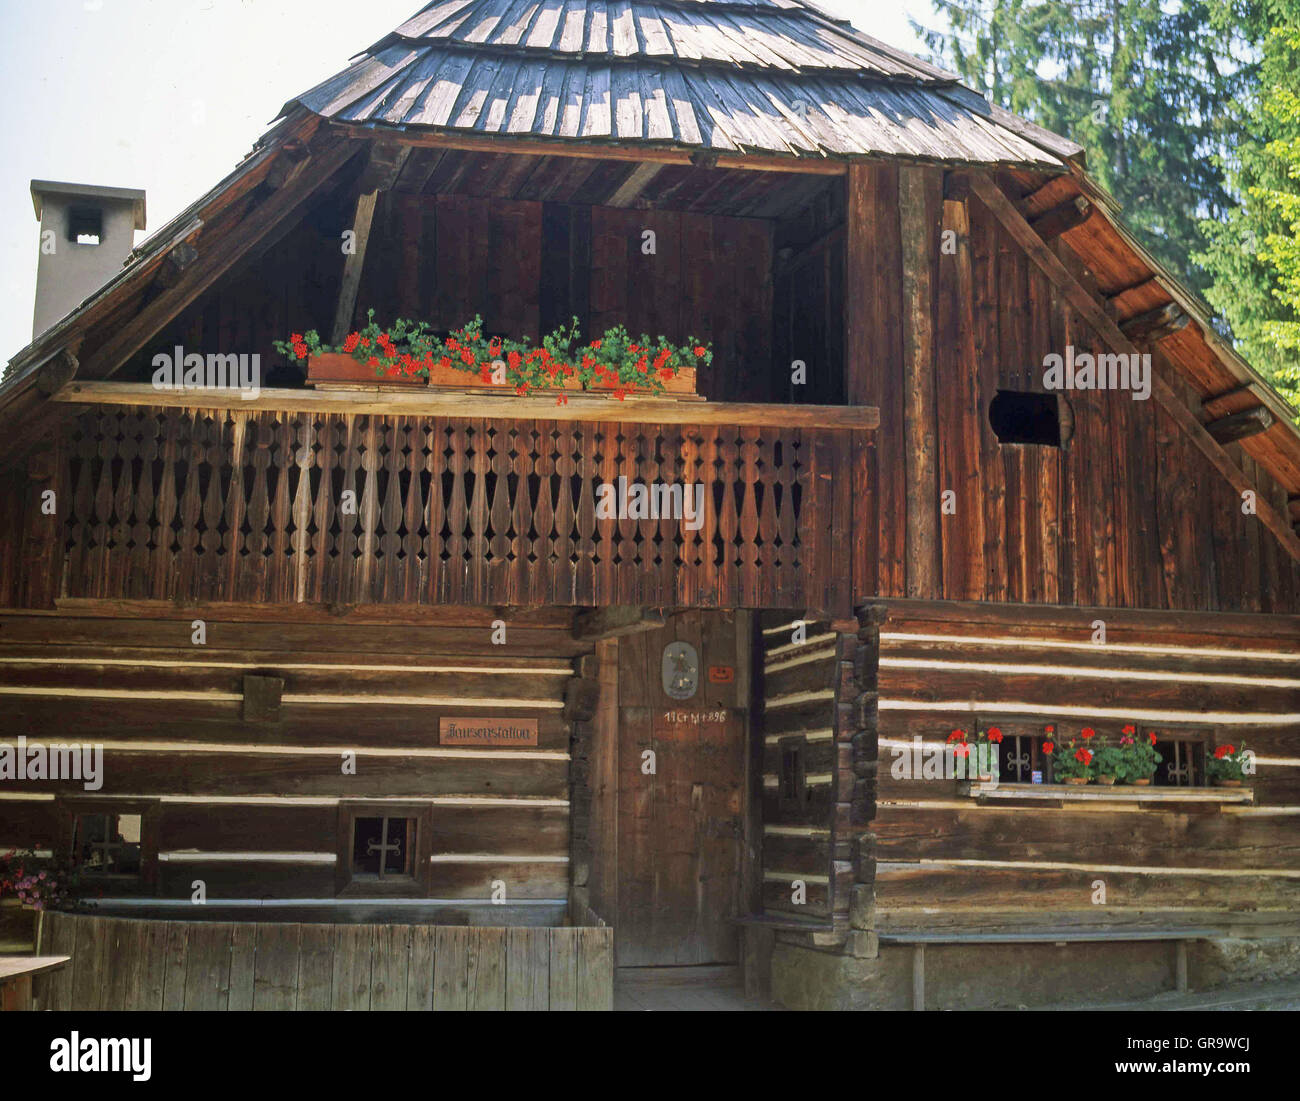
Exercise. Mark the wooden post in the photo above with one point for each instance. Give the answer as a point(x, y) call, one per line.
point(918, 978)
point(920, 212)
point(858, 364)
point(1180, 967)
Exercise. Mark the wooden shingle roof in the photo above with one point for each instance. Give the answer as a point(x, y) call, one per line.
point(761, 76)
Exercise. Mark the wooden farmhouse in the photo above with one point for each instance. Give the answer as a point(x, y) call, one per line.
point(394, 714)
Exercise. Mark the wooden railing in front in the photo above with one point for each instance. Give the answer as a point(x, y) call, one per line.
point(426, 499)
point(131, 964)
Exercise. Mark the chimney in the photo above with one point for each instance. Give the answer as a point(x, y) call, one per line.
point(87, 232)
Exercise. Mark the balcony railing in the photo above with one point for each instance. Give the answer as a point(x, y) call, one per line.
point(292, 505)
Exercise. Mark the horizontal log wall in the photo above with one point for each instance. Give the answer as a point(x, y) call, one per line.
point(1128, 513)
point(120, 964)
point(808, 692)
point(948, 859)
point(252, 806)
point(313, 508)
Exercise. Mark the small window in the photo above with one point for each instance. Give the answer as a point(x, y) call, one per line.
point(85, 225)
point(1022, 417)
point(383, 847)
point(108, 844)
point(792, 786)
point(1182, 758)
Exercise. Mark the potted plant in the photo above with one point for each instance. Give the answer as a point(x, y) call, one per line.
point(1110, 764)
point(1073, 762)
point(1225, 766)
point(1140, 756)
point(960, 749)
point(409, 353)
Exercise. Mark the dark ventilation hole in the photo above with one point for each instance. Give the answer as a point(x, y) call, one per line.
point(85, 225)
point(1019, 417)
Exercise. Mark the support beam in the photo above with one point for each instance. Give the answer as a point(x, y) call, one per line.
point(920, 205)
point(564, 147)
point(1154, 325)
point(1095, 314)
point(1069, 215)
point(594, 624)
point(636, 183)
point(1239, 426)
point(386, 164)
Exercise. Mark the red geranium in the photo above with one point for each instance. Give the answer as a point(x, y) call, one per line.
point(1087, 732)
point(1083, 756)
point(1049, 747)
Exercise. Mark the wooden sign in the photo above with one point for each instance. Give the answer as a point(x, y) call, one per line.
point(722, 674)
point(487, 731)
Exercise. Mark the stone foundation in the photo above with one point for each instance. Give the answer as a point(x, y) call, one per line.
point(1009, 976)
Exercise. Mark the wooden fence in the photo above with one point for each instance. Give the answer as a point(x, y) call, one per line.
point(127, 964)
point(278, 507)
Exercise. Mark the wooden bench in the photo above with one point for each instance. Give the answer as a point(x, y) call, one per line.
point(16, 974)
point(919, 940)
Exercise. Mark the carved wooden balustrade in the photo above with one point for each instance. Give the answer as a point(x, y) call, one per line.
point(286, 506)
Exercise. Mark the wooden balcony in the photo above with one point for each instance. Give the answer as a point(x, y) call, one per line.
point(426, 498)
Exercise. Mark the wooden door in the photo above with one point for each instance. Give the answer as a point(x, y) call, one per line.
point(682, 827)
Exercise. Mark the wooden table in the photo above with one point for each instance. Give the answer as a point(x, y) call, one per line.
point(16, 974)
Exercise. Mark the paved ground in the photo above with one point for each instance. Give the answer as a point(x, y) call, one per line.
point(1283, 994)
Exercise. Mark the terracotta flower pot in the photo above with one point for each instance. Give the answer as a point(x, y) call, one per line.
point(341, 370)
point(1221, 782)
point(1145, 781)
point(1077, 779)
point(1107, 780)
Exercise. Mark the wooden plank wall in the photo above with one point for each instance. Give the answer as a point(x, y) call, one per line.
point(808, 691)
point(252, 807)
point(1127, 514)
point(226, 505)
point(946, 859)
point(525, 267)
point(122, 964)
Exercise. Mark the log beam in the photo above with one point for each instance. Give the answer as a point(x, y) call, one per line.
point(615, 621)
point(1095, 314)
point(1240, 426)
point(474, 403)
point(1154, 325)
point(1069, 215)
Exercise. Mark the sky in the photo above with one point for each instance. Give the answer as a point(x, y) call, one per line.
point(168, 96)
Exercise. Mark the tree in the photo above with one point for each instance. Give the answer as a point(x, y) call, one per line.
point(1137, 83)
point(1253, 254)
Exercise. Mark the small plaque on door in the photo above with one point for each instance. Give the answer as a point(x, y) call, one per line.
point(681, 670)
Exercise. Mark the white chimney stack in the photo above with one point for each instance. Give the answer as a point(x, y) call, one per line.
point(87, 232)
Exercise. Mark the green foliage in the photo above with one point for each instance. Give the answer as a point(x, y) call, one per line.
point(1139, 84)
point(1253, 254)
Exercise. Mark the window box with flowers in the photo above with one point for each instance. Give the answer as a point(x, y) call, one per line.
point(409, 354)
point(1124, 766)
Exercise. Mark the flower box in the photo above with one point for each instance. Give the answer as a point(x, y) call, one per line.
point(17, 926)
point(340, 371)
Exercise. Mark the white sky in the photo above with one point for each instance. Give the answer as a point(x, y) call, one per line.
point(168, 95)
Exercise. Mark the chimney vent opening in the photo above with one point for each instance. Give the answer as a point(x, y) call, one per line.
point(85, 225)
